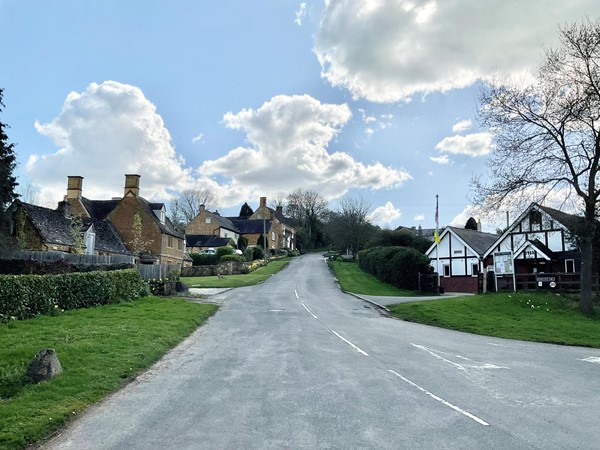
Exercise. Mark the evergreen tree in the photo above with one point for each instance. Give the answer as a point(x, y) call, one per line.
point(8, 182)
point(246, 210)
point(471, 224)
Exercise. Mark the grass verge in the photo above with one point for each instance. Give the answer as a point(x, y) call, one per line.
point(538, 317)
point(234, 281)
point(353, 279)
point(99, 349)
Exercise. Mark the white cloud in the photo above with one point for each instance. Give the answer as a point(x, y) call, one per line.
point(106, 131)
point(473, 145)
point(387, 51)
point(419, 218)
point(384, 215)
point(461, 126)
point(440, 159)
point(199, 137)
point(288, 148)
point(300, 14)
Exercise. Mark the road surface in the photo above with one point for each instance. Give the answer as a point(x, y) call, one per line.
point(295, 364)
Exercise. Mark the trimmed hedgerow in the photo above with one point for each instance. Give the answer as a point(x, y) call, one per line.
point(26, 296)
point(398, 266)
point(203, 259)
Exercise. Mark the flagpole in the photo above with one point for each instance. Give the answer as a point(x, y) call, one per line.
point(436, 236)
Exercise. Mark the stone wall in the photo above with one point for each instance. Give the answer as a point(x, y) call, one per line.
point(226, 268)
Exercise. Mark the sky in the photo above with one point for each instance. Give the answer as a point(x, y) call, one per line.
point(362, 98)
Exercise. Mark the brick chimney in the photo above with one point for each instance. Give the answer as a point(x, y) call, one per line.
point(132, 185)
point(74, 186)
point(279, 210)
point(263, 202)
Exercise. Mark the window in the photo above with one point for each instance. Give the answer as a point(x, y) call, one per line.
point(272, 235)
point(259, 216)
point(207, 220)
point(170, 241)
point(179, 244)
point(475, 269)
point(570, 266)
point(535, 220)
point(446, 270)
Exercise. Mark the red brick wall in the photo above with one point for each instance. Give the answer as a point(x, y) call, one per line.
point(459, 284)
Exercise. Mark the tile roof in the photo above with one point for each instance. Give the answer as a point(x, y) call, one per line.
point(479, 241)
point(251, 226)
point(205, 240)
point(571, 221)
point(52, 225)
point(55, 228)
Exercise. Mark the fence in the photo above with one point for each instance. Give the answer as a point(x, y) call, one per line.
point(556, 282)
point(157, 271)
point(428, 282)
point(75, 258)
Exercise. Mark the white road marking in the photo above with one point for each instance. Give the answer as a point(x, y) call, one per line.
point(349, 343)
point(309, 311)
point(459, 366)
point(591, 359)
point(435, 355)
point(296, 292)
point(441, 400)
point(276, 310)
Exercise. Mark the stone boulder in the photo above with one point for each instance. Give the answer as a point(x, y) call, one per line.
point(44, 366)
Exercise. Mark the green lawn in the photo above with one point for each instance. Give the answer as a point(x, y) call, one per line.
point(353, 279)
point(99, 349)
point(233, 281)
point(539, 317)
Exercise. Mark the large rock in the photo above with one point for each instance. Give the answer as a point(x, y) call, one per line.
point(44, 366)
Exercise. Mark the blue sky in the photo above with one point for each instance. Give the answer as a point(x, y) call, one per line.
point(368, 98)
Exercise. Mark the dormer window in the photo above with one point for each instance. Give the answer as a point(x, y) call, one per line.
point(160, 213)
point(208, 220)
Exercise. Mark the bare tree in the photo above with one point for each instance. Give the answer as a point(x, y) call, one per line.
point(547, 135)
point(278, 199)
point(184, 207)
point(350, 227)
point(306, 208)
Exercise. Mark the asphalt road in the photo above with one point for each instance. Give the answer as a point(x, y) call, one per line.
point(295, 364)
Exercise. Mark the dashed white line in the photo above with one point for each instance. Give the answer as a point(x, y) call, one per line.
point(362, 352)
point(441, 400)
point(309, 311)
point(296, 292)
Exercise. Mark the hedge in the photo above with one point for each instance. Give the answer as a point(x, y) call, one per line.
point(204, 259)
point(399, 266)
point(26, 296)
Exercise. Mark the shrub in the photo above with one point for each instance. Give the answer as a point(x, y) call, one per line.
point(26, 296)
point(398, 266)
point(253, 252)
point(204, 259)
point(222, 251)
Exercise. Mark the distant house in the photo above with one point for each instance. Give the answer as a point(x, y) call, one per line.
point(207, 223)
point(459, 258)
point(282, 233)
point(198, 242)
point(44, 229)
point(426, 233)
point(158, 237)
point(540, 240)
point(252, 229)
